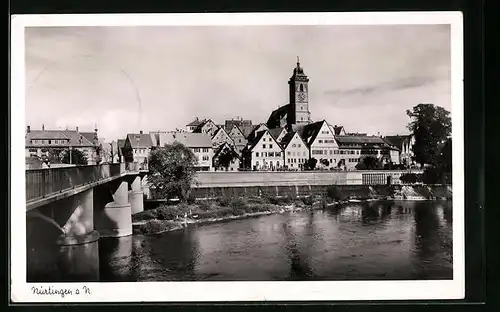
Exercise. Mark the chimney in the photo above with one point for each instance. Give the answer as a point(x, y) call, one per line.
point(28, 129)
point(43, 127)
point(140, 132)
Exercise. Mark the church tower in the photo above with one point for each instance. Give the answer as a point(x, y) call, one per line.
point(299, 113)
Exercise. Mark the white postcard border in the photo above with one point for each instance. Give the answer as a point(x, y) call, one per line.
point(21, 291)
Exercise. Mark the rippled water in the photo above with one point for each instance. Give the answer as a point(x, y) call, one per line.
point(374, 240)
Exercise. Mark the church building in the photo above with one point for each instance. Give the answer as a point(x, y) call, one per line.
point(296, 112)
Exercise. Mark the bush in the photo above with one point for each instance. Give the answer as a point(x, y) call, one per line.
point(156, 226)
point(410, 178)
point(431, 175)
point(224, 201)
point(144, 215)
point(191, 199)
point(204, 205)
point(239, 206)
point(308, 200)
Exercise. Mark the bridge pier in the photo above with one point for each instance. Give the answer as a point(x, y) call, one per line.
point(62, 242)
point(115, 218)
point(136, 195)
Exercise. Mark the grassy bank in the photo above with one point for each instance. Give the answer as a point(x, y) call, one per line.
point(172, 217)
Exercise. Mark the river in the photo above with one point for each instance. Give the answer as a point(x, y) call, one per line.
point(356, 241)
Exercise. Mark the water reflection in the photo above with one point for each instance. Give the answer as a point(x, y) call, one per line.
point(356, 241)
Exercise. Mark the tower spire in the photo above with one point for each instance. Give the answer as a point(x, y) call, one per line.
point(298, 61)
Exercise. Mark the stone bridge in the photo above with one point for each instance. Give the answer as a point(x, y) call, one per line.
point(69, 209)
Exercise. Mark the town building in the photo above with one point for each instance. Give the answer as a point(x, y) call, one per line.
point(295, 151)
point(278, 133)
point(42, 143)
point(222, 153)
point(220, 137)
point(320, 140)
point(262, 153)
point(206, 126)
point(190, 127)
point(405, 144)
point(199, 143)
point(296, 112)
point(137, 147)
point(236, 134)
point(352, 148)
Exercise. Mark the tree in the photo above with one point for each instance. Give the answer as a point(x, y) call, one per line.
point(172, 171)
point(311, 163)
point(55, 155)
point(325, 162)
point(77, 157)
point(431, 126)
point(368, 163)
point(225, 158)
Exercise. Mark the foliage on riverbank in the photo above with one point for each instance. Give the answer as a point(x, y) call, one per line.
point(171, 217)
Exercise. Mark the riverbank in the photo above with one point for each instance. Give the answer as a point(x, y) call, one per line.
point(174, 217)
point(231, 206)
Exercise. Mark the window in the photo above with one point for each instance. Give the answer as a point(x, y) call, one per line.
point(301, 108)
point(271, 154)
point(50, 141)
point(205, 150)
point(205, 158)
point(357, 152)
point(304, 154)
point(298, 145)
point(320, 141)
point(239, 140)
point(265, 154)
point(301, 88)
point(196, 150)
point(288, 160)
point(289, 153)
point(277, 164)
point(295, 160)
point(317, 152)
point(301, 118)
point(331, 152)
point(256, 154)
point(270, 146)
point(277, 154)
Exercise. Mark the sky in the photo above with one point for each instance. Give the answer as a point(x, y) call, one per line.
point(126, 79)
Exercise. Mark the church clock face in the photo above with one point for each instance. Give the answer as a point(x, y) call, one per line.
point(301, 97)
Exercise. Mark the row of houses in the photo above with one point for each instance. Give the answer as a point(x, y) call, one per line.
point(256, 147)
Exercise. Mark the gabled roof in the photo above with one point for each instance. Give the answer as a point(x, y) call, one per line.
point(288, 138)
point(397, 140)
point(121, 143)
point(309, 132)
point(71, 138)
point(139, 140)
point(195, 122)
point(246, 130)
point(360, 141)
point(222, 147)
point(255, 129)
point(202, 124)
point(90, 136)
point(192, 140)
point(276, 132)
point(229, 124)
point(255, 140)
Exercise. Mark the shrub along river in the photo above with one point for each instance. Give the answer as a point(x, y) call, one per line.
point(357, 241)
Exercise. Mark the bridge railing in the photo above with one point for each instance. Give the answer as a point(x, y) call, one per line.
point(43, 182)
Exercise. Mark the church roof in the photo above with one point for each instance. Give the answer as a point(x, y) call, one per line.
point(277, 115)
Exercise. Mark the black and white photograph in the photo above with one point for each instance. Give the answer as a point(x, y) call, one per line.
point(237, 157)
